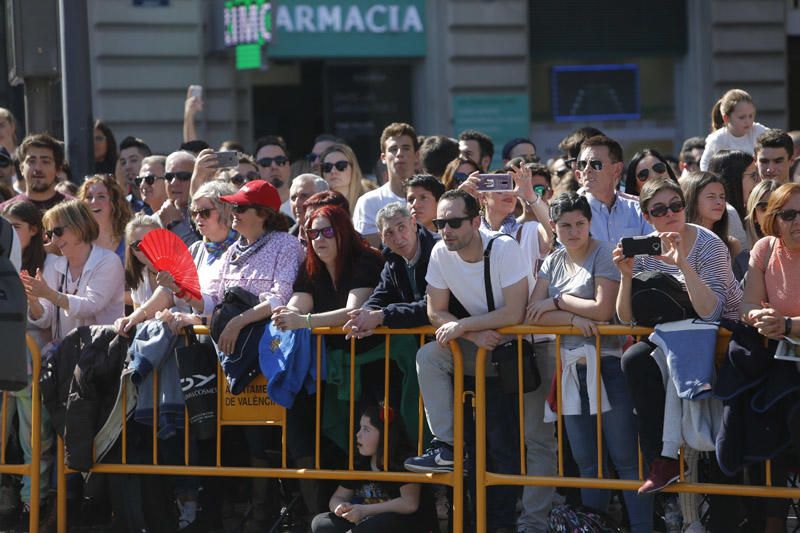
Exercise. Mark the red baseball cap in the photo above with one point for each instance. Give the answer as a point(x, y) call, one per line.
point(256, 192)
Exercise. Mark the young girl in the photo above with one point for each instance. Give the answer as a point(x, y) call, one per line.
point(705, 195)
point(373, 506)
point(733, 126)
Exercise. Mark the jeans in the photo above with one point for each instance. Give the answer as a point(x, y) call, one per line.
point(619, 441)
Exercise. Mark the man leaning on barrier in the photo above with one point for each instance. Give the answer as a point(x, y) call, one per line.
point(457, 266)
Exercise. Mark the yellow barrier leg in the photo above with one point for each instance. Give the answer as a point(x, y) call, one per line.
point(61, 494)
point(36, 436)
point(458, 438)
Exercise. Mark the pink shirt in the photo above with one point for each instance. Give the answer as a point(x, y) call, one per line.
point(781, 274)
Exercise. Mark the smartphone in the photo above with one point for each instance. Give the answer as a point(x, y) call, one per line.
point(227, 159)
point(196, 91)
point(495, 182)
point(644, 245)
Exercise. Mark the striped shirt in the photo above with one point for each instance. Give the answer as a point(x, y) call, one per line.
point(709, 257)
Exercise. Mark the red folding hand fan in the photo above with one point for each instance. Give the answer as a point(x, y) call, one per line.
point(168, 252)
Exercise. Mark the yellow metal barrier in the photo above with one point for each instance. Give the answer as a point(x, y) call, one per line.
point(29, 469)
point(486, 479)
point(251, 408)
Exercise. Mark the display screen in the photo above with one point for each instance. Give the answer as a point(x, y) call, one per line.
point(595, 92)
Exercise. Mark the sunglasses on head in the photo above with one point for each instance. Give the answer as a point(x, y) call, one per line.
point(454, 223)
point(660, 210)
point(280, 160)
point(339, 165)
point(658, 168)
point(239, 180)
point(135, 245)
point(180, 176)
point(239, 209)
point(788, 215)
point(594, 163)
point(203, 213)
point(326, 232)
point(57, 231)
point(149, 179)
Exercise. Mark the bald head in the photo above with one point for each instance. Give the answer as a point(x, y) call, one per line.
point(303, 187)
point(180, 161)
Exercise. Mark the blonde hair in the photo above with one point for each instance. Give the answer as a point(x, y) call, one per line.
point(212, 190)
point(355, 189)
point(75, 215)
point(726, 105)
point(757, 195)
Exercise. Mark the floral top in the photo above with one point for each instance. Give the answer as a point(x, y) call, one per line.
point(266, 268)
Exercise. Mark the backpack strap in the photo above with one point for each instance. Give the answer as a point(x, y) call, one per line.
point(487, 276)
point(6, 238)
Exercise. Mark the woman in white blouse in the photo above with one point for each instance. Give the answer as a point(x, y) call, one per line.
point(84, 286)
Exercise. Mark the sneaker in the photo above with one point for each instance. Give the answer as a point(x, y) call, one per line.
point(437, 458)
point(663, 472)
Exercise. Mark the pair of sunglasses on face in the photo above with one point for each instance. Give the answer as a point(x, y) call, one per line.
point(57, 231)
point(180, 176)
point(339, 165)
point(661, 210)
point(240, 180)
point(149, 179)
point(280, 161)
point(454, 223)
point(658, 168)
point(326, 232)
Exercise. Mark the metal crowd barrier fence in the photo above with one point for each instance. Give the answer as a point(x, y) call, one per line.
point(27, 469)
point(485, 479)
point(229, 413)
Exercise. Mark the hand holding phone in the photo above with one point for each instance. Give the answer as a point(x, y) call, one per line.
point(642, 245)
point(227, 159)
point(495, 182)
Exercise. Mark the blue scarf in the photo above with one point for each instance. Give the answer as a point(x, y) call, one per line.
point(509, 226)
point(216, 249)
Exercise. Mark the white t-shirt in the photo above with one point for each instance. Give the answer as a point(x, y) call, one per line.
point(446, 270)
point(368, 205)
point(529, 243)
point(723, 139)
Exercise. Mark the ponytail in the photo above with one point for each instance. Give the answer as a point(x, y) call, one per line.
point(716, 116)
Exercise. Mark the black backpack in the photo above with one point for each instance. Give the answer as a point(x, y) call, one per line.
point(13, 317)
point(657, 297)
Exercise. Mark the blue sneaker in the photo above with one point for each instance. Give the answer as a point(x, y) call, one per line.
point(437, 458)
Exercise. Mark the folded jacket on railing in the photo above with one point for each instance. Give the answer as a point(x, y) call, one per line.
point(288, 360)
point(689, 346)
point(153, 348)
point(570, 388)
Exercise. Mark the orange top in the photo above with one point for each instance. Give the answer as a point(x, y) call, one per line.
point(781, 274)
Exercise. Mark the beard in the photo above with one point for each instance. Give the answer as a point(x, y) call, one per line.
point(37, 185)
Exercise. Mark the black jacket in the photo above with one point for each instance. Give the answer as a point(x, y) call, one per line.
point(394, 294)
point(80, 382)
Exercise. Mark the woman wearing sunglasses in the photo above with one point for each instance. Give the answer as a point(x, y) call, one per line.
point(83, 286)
point(756, 211)
point(643, 166)
point(772, 302)
point(457, 172)
point(700, 261)
point(339, 167)
point(107, 203)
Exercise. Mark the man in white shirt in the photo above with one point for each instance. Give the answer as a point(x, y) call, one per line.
point(399, 152)
point(456, 267)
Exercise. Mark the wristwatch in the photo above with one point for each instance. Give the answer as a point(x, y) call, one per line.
point(787, 328)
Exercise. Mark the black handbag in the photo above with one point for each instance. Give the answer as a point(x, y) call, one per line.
point(505, 356)
point(657, 298)
point(197, 367)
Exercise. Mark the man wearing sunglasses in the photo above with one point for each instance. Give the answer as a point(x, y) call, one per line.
point(174, 213)
point(599, 168)
point(274, 167)
point(399, 299)
point(322, 142)
point(456, 267)
point(399, 151)
point(41, 158)
point(151, 183)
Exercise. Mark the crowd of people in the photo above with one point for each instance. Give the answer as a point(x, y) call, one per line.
point(315, 242)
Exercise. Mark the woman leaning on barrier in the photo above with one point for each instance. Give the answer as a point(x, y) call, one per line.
point(700, 261)
point(577, 286)
point(772, 300)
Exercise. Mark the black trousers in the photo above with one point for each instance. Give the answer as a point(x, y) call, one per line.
point(647, 392)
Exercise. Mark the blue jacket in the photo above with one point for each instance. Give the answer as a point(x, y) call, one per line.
point(394, 294)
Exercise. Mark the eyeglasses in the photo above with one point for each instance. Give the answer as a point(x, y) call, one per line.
point(541, 189)
point(239, 209)
point(239, 180)
point(454, 223)
point(562, 172)
point(280, 161)
point(339, 165)
point(326, 232)
point(57, 231)
point(658, 168)
point(4, 163)
point(312, 157)
point(460, 177)
point(788, 215)
point(755, 176)
point(149, 179)
point(203, 213)
point(660, 210)
point(761, 206)
point(570, 162)
point(594, 163)
point(135, 245)
point(181, 176)
point(99, 138)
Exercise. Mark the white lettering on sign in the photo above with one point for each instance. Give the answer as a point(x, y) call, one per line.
point(378, 18)
point(248, 24)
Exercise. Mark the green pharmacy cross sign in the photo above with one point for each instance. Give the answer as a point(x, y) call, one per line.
point(248, 26)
